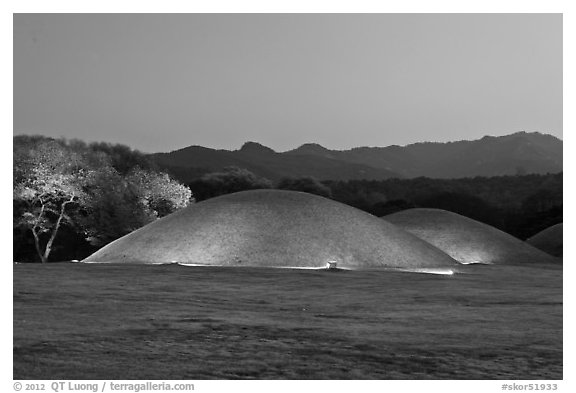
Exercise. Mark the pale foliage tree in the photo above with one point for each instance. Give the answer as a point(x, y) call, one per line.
point(159, 194)
point(58, 183)
point(48, 182)
point(118, 204)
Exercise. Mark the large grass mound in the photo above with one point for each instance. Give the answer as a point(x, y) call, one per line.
point(549, 240)
point(273, 228)
point(466, 240)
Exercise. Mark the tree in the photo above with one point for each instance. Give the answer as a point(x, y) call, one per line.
point(48, 182)
point(69, 196)
point(158, 193)
point(305, 184)
point(542, 200)
point(117, 205)
point(122, 158)
point(381, 209)
point(231, 179)
point(465, 204)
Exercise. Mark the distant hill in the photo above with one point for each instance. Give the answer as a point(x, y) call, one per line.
point(518, 153)
point(490, 156)
point(193, 161)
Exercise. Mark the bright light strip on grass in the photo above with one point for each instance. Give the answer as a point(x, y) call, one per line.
point(308, 268)
point(446, 272)
point(440, 271)
point(475, 263)
point(273, 267)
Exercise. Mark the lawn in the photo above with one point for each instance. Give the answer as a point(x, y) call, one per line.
point(100, 321)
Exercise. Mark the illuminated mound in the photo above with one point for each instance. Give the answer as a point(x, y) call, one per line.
point(549, 240)
point(466, 240)
point(277, 229)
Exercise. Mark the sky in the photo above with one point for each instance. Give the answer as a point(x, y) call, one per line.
point(160, 82)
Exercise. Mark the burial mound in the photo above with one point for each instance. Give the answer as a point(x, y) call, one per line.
point(466, 240)
point(277, 229)
point(549, 240)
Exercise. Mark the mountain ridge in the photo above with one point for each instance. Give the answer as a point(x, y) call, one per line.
point(516, 153)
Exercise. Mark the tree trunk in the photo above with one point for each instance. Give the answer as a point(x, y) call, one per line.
point(37, 245)
point(55, 231)
point(37, 238)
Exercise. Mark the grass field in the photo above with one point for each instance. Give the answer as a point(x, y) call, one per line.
point(97, 321)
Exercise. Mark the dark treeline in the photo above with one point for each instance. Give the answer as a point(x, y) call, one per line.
point(519, 205)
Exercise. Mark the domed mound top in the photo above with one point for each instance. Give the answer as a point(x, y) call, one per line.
point(466, 240)
point(549, 240)
point(273, 228)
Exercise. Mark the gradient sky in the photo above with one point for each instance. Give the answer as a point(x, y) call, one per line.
point(158, 82)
